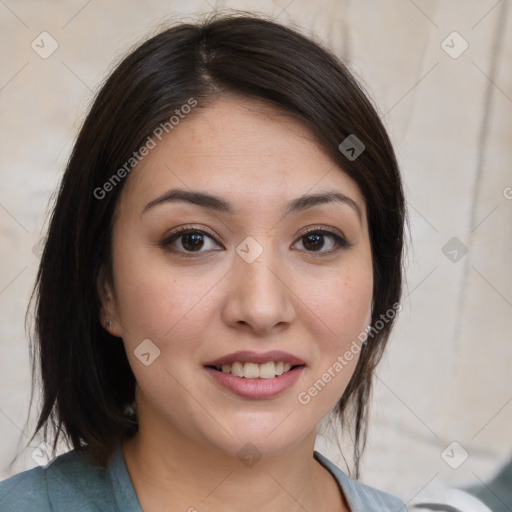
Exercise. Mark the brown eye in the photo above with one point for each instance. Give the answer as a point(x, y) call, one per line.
point(186, 240)
point(315, 241)
point(192, 241)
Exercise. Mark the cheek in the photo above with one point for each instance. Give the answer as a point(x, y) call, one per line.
point(162, 303)
point(342, 302)
point(342, 305)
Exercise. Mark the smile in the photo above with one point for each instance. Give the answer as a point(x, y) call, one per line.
point(256, 387)
point(254, 371)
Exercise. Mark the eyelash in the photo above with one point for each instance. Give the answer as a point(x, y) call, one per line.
point(341, 243)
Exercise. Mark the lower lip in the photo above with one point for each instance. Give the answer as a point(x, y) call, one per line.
point(257, 388)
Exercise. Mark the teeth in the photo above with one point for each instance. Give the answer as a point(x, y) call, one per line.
point(253, 371)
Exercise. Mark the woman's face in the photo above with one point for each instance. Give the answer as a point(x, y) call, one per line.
point(243, 277)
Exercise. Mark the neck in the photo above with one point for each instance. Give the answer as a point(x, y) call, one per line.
point(168, 469)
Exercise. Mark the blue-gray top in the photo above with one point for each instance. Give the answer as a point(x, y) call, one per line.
point(71, 483)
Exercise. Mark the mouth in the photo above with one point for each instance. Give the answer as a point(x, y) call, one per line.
point(256, 387)
point(247, 370)
point(256, 375)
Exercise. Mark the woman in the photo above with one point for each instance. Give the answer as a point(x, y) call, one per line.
point(222, 270)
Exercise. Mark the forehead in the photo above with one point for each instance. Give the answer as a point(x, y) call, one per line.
point(242, 149)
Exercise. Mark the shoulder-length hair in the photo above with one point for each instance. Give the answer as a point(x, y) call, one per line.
point(87, 383)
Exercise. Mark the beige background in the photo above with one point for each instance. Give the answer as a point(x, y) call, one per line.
point(446, 376)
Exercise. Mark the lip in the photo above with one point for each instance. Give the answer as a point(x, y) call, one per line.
point(256, 388)
point(247, 356)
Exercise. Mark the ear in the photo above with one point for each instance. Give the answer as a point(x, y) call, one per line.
point(108, 312)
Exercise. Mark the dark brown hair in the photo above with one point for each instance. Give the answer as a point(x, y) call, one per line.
point(87, 383)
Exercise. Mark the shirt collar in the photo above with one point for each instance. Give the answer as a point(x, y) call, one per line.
point(358, 495)
point(122, 486)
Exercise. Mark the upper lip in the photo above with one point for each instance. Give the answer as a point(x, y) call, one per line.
point(247, 356)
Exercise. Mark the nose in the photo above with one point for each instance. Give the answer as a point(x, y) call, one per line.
point(260, 296)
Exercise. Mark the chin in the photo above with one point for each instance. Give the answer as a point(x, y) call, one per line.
point(272, 435)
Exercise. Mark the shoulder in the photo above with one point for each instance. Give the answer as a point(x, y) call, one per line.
point(370, 498)
point(362, 497)
point(25, 491)
point(69, 482)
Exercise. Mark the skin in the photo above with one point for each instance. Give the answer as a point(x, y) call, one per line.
point(198, 308)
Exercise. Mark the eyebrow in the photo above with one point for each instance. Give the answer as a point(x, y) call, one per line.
point(218, 204)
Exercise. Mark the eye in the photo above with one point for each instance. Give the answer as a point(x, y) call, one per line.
point(313, 240)
point(189, 240)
